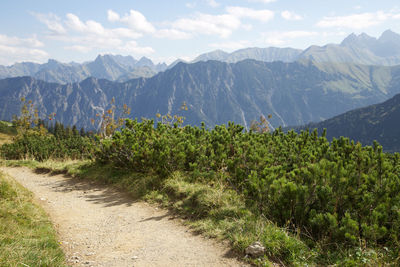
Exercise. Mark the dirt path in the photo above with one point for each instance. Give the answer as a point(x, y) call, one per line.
point(99, 226)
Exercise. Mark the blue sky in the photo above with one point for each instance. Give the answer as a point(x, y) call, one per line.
point(166, 30)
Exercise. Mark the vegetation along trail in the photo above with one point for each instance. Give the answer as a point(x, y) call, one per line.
point(99, 226)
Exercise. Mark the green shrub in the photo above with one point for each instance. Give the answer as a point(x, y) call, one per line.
point(337, 196)
point(331, 193)
point(43, 147)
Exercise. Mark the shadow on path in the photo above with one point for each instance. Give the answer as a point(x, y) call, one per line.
point(93, 191)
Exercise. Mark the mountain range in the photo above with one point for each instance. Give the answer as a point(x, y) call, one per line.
point(111, 67)
point(215, 92)
point(358, 49)
point(268, 54)
point(295, 86)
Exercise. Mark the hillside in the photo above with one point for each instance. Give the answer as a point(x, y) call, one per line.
point(378, 122)
point(215, 92)
point(6, 132)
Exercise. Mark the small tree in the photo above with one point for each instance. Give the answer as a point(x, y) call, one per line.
point(28, 119)
point(168, 119)
point(109, 123)
point(261, 126)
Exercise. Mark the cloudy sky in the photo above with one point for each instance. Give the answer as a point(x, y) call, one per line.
point(166, 30)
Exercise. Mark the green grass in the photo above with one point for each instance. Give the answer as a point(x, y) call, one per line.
point(6, 132)
point(27, 237)
point(7, 128)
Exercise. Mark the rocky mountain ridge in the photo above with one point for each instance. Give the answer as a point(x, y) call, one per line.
point(215, 92)
point(111, 67)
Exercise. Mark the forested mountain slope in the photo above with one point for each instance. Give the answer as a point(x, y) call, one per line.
point(378, 122)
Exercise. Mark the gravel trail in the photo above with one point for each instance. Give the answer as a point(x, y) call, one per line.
point(99, 226)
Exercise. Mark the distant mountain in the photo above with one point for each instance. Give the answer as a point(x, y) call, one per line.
point(173, 64)
point(215, 92)
point(359, 49)
point(111, 67)
point(376, 122)
point(269, 54)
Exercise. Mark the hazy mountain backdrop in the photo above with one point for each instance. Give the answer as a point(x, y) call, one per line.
point(111, 67)
point(359, 49)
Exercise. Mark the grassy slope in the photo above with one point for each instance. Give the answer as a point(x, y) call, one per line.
point(27, 236)
point(6, 132)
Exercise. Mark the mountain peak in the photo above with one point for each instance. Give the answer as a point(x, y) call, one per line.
point(363, 40)
point(389, 36)
point(52, 62)
point(103, 57)
point(144, 61)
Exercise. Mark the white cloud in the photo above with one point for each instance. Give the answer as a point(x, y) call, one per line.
point(247, 27)
point(262, 15)
point(133, 48)
point(125, 33)
point(213, 3)
point(52, 22)
point(222, 25)
point(173, 34)
point(262, 1)
point(112, 16)
point(84, 36)
point(135, 21)
point(333, 33)
point(190, 5)
point(288, 15)
point(91, 27)
point(15, 41)
point(396, 16)
point(206, 24)
point(281, 38)
point(357, 21)
point(78, 48)
point(74, 23)
point(14, 49)
point(231, 45)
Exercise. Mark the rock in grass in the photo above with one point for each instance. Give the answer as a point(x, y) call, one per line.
point(255, 250)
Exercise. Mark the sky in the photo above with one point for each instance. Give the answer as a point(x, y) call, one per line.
point(167, 30)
